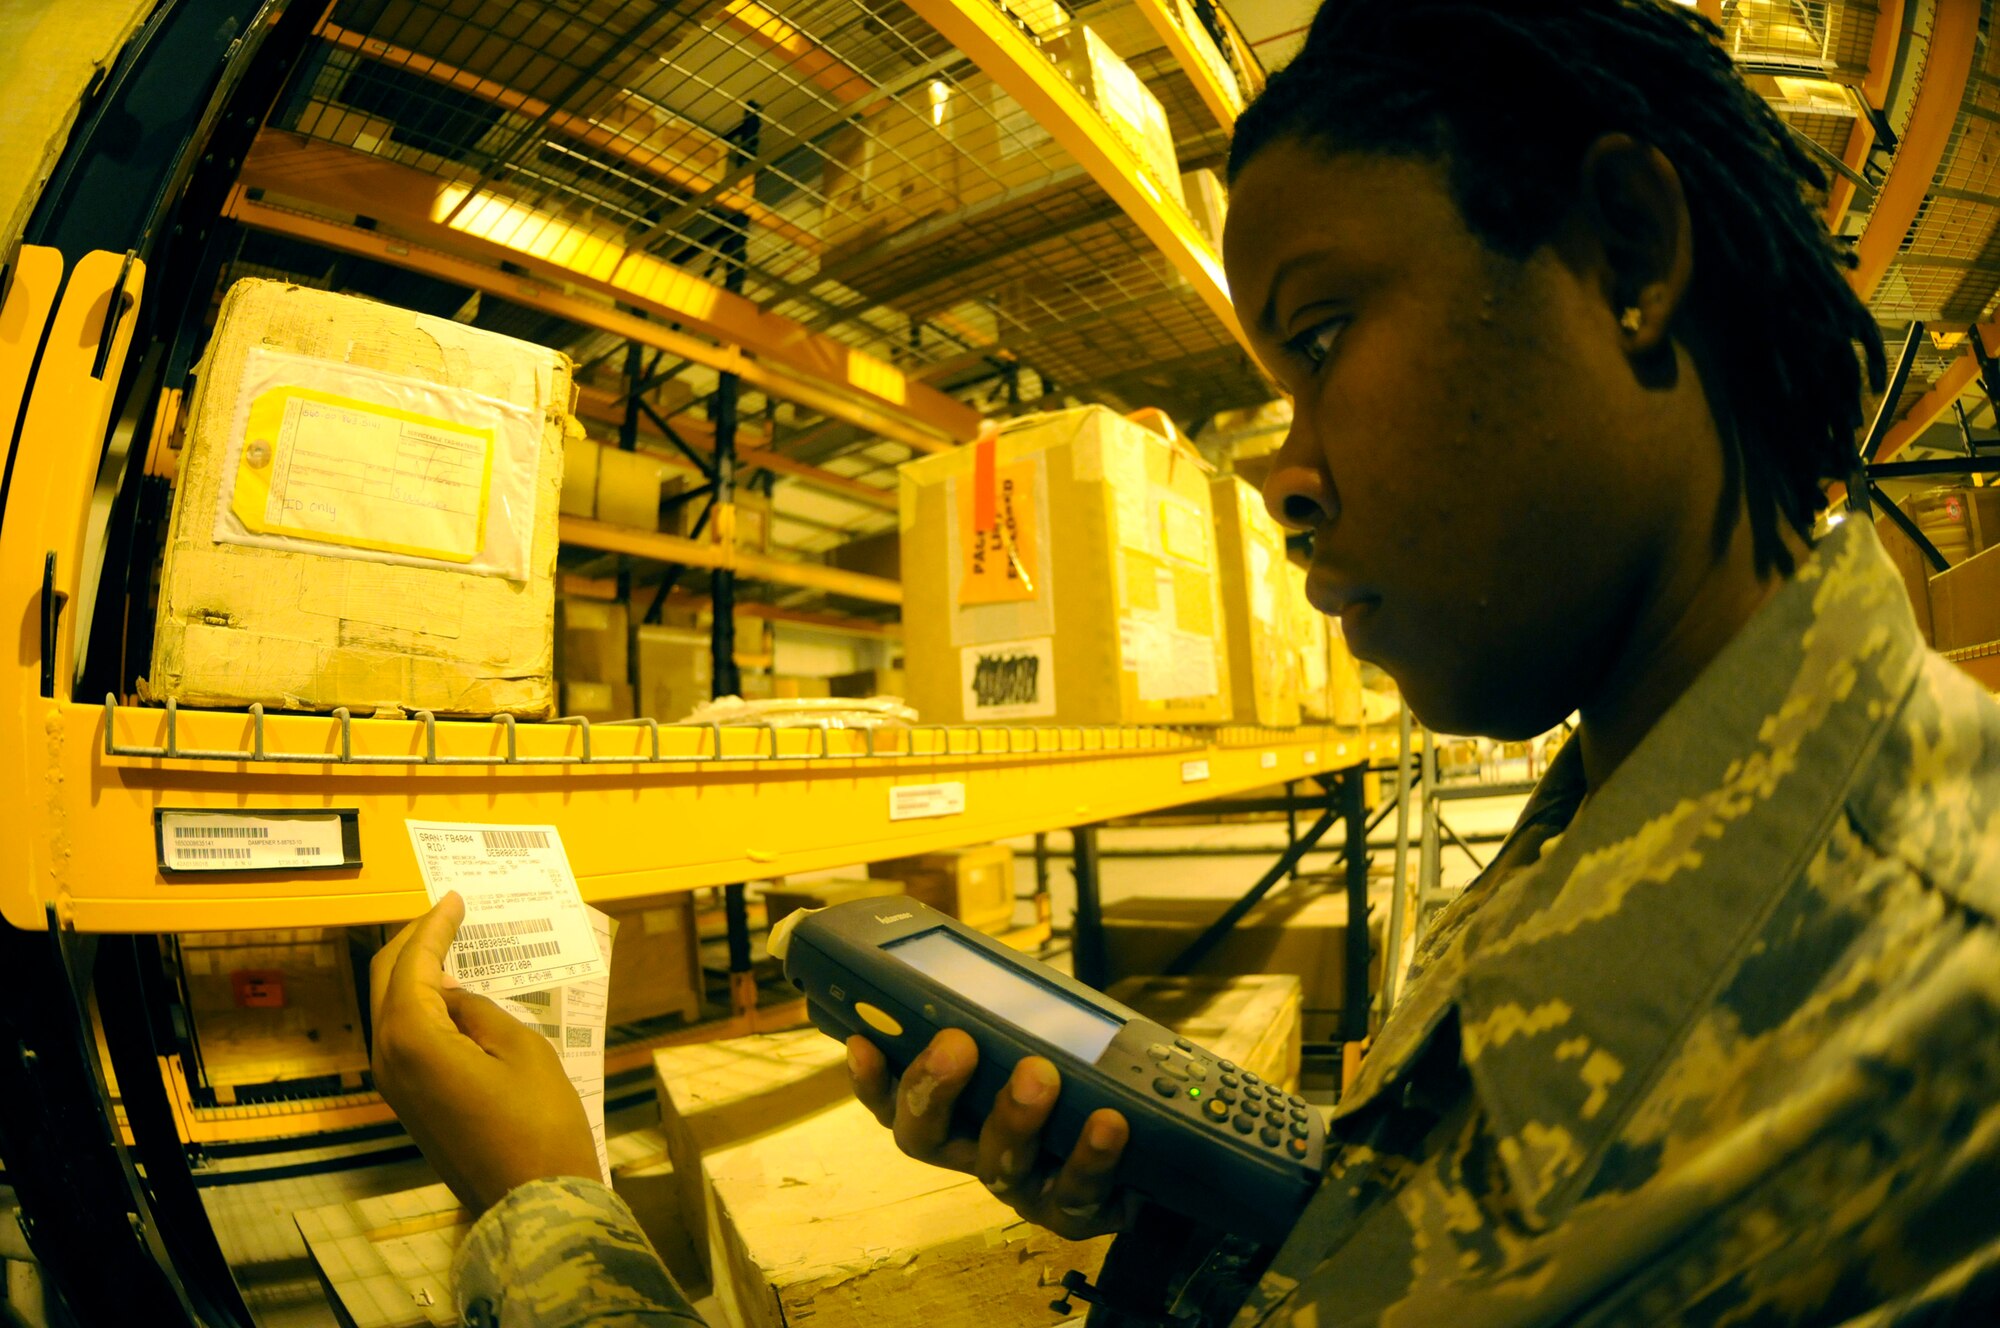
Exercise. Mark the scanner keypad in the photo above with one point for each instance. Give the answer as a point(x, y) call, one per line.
point(1232, 1098)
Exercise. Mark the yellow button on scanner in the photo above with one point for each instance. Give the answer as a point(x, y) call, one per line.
point(879, 1020)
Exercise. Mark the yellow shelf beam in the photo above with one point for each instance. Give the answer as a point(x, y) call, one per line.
point(1007, 55)
point(553, 298)
point(631, 828)
point(434, 219)
point(586, 534)
point(1224, 102)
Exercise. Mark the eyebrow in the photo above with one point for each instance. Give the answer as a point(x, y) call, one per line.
point(1267, 318)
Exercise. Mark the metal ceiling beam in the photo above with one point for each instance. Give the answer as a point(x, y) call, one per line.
point(405, 202)
point(1947, 69)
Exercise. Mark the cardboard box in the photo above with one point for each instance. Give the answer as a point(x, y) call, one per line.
point(1252, 1020)
point(579, 484)
point(1915, 569)
point(1007, 153)
point(655, 960)
point(593, 640)
point(753, 514)
point(894, 169)
point(301, 568)
point(974, 885)
point(814, 1213)
point(1207, 204)
point(273, 1007)
point(1304, 935)
point(676, 669)
point(1330, 690)
point(598, 702)
point(1091, 596)
point(717, 1094)
point(872, 555)
point(1134, 114)
point(1263, 660)
point(1965, 602)
point(869, 682)
point(782, 900)
point(1959, 519)
point(629, 486)
point(793, 686)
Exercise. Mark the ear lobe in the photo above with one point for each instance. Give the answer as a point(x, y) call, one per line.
point(1632, 199)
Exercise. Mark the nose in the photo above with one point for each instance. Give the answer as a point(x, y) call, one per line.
point(1298, 492)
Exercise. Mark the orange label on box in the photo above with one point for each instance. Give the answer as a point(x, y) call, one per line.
point(258, 988)
point(996, 522)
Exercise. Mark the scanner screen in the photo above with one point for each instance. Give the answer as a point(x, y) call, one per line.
point(1077, 1028)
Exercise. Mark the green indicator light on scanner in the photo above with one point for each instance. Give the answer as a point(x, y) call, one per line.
point(1194, 1092)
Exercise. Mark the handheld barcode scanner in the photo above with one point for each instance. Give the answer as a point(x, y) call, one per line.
point(1209, 1140)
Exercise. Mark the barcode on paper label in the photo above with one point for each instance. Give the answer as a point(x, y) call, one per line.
point(913, 802)
point(1267, 761)
point(233, 841)
point(526, 927)
point(1193, 772)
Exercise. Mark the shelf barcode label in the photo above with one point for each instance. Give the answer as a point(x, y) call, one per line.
point(1312, 756)
point(1193, 772)
point(249, 841)
point(500, 931)
point(515, 839)
point(915, 802)
point(506, 959)
point(1267, 761)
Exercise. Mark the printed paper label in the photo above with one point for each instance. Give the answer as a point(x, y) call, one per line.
point(1267, 760)
point(526, 926)
point(915, 802)
point(998, 539)
point(572, 1019)
point(346, 471)
point(1183, 529)
point(218, 841)
point(1193, 772)
point(1009, 680)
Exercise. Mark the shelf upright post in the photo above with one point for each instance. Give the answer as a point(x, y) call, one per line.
point(725, 680)
point(1091, 964)
point(1350, 790)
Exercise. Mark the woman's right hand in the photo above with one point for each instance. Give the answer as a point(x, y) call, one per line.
point(1076, 1200)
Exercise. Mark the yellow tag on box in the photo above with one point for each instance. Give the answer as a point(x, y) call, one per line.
point(319, 466)
point(999, 559)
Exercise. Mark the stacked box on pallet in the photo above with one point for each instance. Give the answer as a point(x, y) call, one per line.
point(813, 1211)
point(974, 885)
point(1252, 1020)
point(655, 960)
point(593, 658)
point(1304, 935)
point(365, 513)
point(274, 1008)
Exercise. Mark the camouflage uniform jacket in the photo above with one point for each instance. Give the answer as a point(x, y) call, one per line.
point(1722, 1044)
point(564, 1253)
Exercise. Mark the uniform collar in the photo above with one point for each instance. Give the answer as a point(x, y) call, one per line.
point(1575, 976)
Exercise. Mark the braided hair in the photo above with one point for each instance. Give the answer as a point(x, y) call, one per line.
point(1507, 95)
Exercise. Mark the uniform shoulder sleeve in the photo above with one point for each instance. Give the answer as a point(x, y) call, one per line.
point(563, 1253)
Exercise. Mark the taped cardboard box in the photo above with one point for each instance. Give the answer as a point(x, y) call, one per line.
point(1915, 569)
point(1064, 571)
point(893, 169)
point(593, 640)
point(974, 885)
point(656, 961)
point(1965, 602)
point(273, 1008)
point(630, 485)
point(579, 482)
point(365, 513)
point(1252, 1020)
point(1263, 660)
point(813, 1212)
point(1301, 935)
point(1133, 113)
point(598, 702)
point(783, 900)
point(714, 1095)
point(1008, 156)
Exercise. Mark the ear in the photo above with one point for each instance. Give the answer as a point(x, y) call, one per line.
point(1630, 200)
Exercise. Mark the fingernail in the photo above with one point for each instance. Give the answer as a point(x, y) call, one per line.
point(944, 1061)
point(997, 1185)
point(1103, 1134)
point(853, 1065)
point(1034, 1083)
point(450, 983)
point(1082, 1210)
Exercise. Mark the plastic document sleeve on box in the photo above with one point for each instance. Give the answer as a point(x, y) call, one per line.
point(348, 462)
point(526, 926)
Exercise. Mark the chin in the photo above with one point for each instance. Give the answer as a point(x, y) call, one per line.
point(1481, 709)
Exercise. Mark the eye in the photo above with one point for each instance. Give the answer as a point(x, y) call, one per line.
point(1313, 345)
